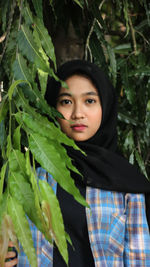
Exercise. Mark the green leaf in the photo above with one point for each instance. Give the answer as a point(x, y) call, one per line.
point(123, 49)
point(2, 177)
point(14, 85)
point(141, 163)
point(56, 218)
point(127, 119)
point(113, 63)
point(2, 135)
point(16, 138)
point(80, 3)
point(3, 108)
point(9, 146)
point(3, 206)
point(40, 48)
point(131, 158)
point(17, 161)
point(38, 8)
point(22, 229)
point(5, 5)
point(20, 69)
point(147, 121)
point(43, 80)
point(126, 15)
point(29, 48)
point(143, 71)
point(46, 40)
point(36, 214)
point(17, 183)
point(47, 129)
point(129, 141)
point(22, 102)
point(49, 158)
point(26, 196)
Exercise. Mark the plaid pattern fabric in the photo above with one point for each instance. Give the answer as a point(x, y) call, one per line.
point(117, 227)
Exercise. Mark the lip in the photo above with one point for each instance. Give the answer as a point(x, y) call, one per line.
point(78, 127)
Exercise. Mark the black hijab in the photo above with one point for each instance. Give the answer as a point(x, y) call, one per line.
point(102, 167)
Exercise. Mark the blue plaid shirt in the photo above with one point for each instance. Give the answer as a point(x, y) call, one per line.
point(117, 226)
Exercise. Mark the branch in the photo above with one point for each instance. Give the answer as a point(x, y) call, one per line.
point(133, 35)
point(87, 47)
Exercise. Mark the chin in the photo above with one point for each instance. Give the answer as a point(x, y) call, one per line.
point(79, 139)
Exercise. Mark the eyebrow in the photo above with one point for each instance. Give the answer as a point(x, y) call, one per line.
point(87, 93)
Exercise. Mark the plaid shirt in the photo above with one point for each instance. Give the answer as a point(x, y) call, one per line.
point(117, 226)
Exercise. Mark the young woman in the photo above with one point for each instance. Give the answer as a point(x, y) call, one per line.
point(114, 232)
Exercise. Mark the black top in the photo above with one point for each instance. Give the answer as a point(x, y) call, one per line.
point(80, 254)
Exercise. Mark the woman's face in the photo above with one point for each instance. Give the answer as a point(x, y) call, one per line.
point(80, 105)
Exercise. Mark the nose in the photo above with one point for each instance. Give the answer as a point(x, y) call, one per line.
point(77, 112)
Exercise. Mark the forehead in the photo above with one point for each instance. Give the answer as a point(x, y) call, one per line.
point(79, 84)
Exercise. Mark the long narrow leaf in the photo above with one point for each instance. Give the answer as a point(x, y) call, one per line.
point(56, 218)
point(46, 40)
point(22, 229)
point(50, 159)
point(2, 177)
point(38, 8)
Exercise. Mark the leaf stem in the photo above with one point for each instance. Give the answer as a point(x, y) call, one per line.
point(133, 35)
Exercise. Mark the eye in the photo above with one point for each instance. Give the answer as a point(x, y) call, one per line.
point(90, 101)
point(65, 102)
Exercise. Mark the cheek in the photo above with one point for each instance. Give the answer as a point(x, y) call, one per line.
point(63, 124)
point(65, 112)
point(96, 116)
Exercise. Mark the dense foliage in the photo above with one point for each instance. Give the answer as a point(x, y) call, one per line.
point(113, 34)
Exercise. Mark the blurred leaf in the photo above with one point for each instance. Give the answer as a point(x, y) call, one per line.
point(145, 71)
point(129, 141)
point(38, 8)
point(3, 206)
point(22, 229)
point(128, 87)
point(126, 15)
point(43, 80)
point(13, 86)
point(54, 213)
point(2, 134)
point(127, 119)
point(131, 158)
point(16, 138)
point(17, 161)
point(36, 214)
point(113, 64)
point(141, 163)
point(2, 177)
point(79, 2)
point(147, 121)
point(123, 49)
point(9, 145)
point(28, 47)
point(46, 40)
point(3, 108)
point(25, 197)
point(4, 239)
point(21, 71)
point(6, 4)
